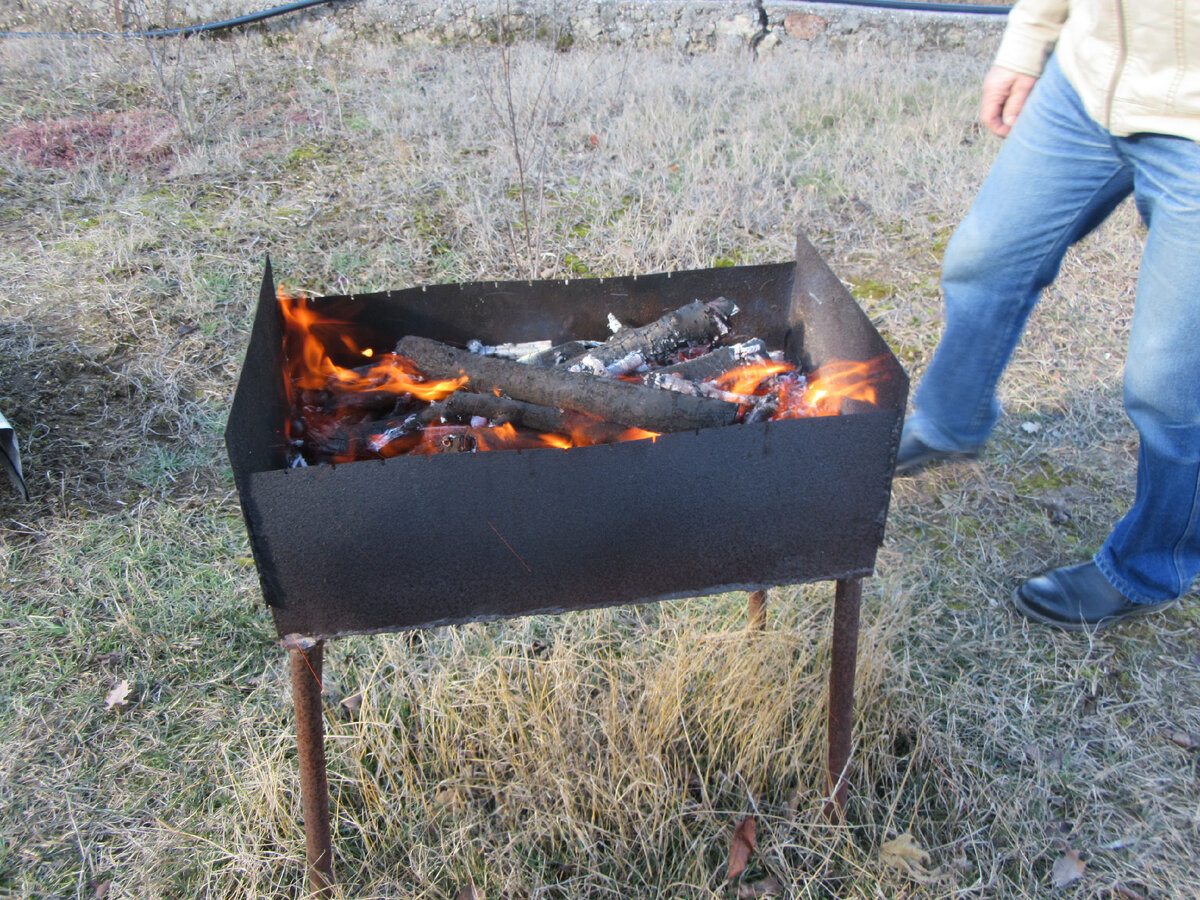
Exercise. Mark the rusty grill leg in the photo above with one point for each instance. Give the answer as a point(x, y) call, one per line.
point(314, 782)
point(756, 611)
point(847, 600)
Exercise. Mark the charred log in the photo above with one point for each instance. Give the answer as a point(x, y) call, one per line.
point(497, 410)
point(697, 389)
point(378, 402)
point(695, 323)
point(377, 439)
point(634, 405)
point(718, 362)
point(763, 410)
point(447, 439)
point(559, 354)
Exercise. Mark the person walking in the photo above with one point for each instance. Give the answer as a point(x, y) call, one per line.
point(1095, 100)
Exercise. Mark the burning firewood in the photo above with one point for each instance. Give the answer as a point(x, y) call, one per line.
point(379, 402)
point(717, 362)
point(692, 372)
point(560, 353)
point(447, 439)
point(489, 413)
point(336, 440)
point(670, 382)
point(611, 400)
point(497, 410)
point(630, 348)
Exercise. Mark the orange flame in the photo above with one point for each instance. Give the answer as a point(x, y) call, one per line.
point(830, 386)
point(748, 379)
point(313, 369)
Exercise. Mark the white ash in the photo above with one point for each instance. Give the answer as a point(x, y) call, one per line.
point(509, 351)
point(753, 348)
point(381, 440)
point(627, 365)
point(671, 382)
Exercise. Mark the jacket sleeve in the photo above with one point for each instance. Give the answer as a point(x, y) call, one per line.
point(1029, 38)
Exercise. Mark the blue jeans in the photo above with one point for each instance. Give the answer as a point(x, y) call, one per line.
point(1058, 175)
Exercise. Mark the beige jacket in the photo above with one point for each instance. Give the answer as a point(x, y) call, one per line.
point(1135, 63)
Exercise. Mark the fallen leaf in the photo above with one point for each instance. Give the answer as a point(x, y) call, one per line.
point(100, 889)
point(1030, 427)
point(1184, 740)
point(905, 854)
point(768, 887)
point(1067, 868)
point(470, 892)
point(450, 799)
point(404, 150)
point(353, 703)
point(118, 696)
point(741, 845)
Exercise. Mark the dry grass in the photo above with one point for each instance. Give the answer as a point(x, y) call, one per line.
point(598, 754)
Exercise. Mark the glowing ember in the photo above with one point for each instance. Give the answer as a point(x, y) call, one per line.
point(382, 408)
point(830, 386)
point(751, 379)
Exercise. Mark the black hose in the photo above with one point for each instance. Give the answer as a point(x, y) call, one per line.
point(184, 31)
point(251, 18)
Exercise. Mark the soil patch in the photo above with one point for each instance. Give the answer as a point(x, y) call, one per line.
point(140, 140)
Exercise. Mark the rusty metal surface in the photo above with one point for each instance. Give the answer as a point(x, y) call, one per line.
point(417, 541)
point(314, 780)
point(453, 537)
point(842, 664)
point(756, 611)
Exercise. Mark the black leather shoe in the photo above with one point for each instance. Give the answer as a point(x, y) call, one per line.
point(1078, 597)
point(915, 455)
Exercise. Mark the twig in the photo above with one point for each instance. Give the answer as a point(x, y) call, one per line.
point(171, 90)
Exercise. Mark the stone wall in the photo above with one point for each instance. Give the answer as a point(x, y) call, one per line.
point(689, 26)
point(698, 26)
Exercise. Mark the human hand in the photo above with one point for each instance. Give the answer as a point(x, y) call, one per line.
point(1004, 93)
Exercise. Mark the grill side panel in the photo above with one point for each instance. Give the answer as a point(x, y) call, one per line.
point(417, 541)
